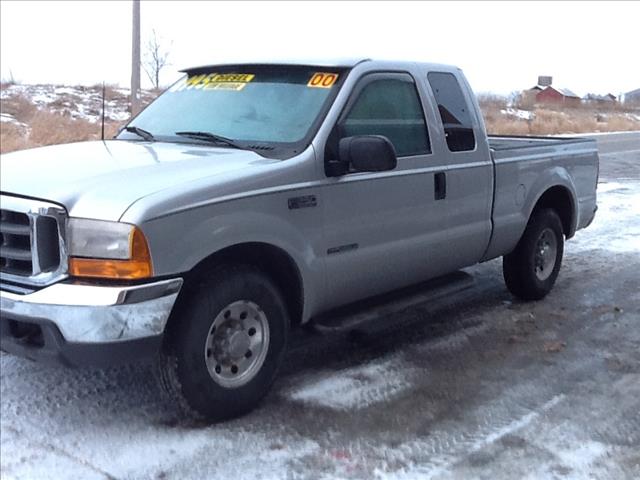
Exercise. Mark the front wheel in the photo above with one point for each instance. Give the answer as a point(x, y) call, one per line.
point(225, 344)
point(530, 271)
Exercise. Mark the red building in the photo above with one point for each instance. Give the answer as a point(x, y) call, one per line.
point(562, 96)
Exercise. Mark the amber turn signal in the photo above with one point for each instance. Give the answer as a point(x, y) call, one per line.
point(137, 267)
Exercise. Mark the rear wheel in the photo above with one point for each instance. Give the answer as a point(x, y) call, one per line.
point(530, 271)
point(225, 344)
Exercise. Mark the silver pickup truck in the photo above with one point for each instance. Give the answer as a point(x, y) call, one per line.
point(251, 198)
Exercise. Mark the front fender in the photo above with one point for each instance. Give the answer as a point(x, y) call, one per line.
point(181, 241)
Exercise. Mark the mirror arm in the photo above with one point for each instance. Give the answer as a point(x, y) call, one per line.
point(337, 168)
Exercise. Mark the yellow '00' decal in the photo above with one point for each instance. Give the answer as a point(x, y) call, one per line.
point(322, 80)
point(217, 81)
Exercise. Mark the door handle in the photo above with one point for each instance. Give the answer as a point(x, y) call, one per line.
point(439, 185)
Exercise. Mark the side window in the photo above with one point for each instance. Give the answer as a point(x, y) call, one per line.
point(454, 111)
point(390, 107)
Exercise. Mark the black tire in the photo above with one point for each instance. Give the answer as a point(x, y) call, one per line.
point(522, 271)
point(186, 359)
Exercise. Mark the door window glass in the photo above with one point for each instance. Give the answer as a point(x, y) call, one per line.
point(390, 107)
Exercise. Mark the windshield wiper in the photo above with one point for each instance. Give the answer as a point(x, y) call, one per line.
point(141, 132)
point(211, 137)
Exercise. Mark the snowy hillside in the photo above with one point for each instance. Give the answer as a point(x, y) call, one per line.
point(37, 115)
point(79, 102)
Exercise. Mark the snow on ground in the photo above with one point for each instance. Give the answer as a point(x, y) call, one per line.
point(619, 202)
point(360, 387)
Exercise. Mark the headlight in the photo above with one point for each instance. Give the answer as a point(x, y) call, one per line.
point(103, 249)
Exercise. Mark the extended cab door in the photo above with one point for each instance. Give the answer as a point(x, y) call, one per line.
point(380, 227)
point(467, 194)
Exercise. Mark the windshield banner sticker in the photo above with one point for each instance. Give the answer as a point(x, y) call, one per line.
point(216, 81)
point(322, 80)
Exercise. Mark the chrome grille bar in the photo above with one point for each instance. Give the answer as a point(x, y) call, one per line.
point(15, 243)
point(32, 248)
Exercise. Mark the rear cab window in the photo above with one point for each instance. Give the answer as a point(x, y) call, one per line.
point(455, 114)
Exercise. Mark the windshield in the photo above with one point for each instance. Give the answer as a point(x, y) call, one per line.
point(274, 104)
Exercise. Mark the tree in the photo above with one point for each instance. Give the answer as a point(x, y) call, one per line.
point(155, 59)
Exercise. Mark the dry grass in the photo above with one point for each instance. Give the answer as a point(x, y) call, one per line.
point(556, 119)
point(45, 128)
point(38, 128)
point(51, 128)
point(18, 106)
point(12, 138)
point(551, 122)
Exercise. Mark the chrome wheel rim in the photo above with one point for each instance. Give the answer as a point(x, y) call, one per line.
point(546, 251)
point(237, 344)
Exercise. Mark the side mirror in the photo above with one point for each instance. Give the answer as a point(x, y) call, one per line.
point(367, 153)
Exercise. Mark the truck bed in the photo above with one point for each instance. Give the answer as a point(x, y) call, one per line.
point(520, 162)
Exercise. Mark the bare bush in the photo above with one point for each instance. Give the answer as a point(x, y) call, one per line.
point(490, 101)
point(19, 107)
point(156, 57)
point(12, 137)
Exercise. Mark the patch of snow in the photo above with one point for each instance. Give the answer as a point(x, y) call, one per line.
point(119, 116)
point(441, 462)
point(8, 118)
point(605, 187)
point(580, 457)
point(65, 90)
point(618, 206)
point(358, 387)
point(43, 98)
point(376, 382)
point(23, 458)
point(522, 114)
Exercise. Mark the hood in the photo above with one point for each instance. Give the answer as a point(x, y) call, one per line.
point(102, 179)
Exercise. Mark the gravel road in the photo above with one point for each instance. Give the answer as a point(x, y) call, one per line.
point(474, 386)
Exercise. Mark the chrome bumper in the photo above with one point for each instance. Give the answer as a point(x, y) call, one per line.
point(97, 314)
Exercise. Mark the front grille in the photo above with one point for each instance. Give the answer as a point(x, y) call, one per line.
point(31, 249)
point(15, 243)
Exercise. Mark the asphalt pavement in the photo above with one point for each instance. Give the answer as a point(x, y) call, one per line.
point(476, 385)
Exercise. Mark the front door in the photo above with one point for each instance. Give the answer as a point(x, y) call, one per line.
point(377, 224)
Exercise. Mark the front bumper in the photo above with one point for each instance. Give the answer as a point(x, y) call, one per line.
point(76, 324)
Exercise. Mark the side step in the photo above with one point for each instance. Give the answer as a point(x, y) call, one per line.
point(377, 309)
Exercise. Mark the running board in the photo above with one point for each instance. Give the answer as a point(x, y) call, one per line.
point(381, 307)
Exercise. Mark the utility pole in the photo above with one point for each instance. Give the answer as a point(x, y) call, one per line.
point(135, 59)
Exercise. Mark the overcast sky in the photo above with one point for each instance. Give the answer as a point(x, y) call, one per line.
point(501, 46)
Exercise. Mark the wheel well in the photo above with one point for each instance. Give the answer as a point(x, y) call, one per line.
point(273, 261)
point(559, 199)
